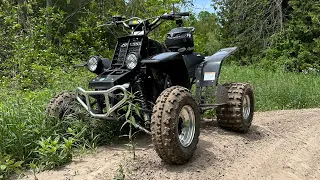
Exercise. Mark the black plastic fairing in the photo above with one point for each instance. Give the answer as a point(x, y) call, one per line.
point(127, 45)
point(106, 81)
point(208, 72)
point(163, 57)
point(115, 71)
point(138, 44)
point(191, 61)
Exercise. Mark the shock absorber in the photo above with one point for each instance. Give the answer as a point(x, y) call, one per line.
point(143, 101)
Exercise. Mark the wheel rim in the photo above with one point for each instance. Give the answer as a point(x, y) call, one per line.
point(246, 108)
point(186, 126)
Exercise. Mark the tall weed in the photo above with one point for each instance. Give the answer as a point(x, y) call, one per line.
point(29, 136)
point(275, 90)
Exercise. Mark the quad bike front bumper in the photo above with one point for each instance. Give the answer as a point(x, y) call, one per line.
point(83, 98)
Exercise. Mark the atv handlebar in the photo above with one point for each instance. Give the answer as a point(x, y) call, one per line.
point(117, 20)
point(175, 15)
point(169, 17)
point(183, 14)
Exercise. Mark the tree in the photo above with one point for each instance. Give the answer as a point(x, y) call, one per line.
point(297, 48)
point(207, 32)
point(250, 24)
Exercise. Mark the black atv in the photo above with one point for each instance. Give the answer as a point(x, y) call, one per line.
point(162, 77)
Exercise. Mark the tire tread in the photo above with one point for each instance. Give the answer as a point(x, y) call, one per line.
point(230, 116)
point(163, 125)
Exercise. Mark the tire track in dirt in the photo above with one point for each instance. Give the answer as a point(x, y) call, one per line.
point(291, 154)
point(279, 145)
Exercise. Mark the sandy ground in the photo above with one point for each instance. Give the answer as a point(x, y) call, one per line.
point(280, 145)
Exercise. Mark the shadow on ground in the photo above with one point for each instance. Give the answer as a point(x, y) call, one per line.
point(209, 152)
point(255, 133)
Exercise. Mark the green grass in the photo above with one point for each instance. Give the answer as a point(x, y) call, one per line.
point(26, 135)
point(276, 90)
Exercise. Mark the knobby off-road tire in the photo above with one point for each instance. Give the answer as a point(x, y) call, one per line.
point(175, 125)
point(237, 115)
point(61, 105)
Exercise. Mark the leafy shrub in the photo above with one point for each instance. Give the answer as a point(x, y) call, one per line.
point(8, 166)
point(54, 153)
point(24, 124)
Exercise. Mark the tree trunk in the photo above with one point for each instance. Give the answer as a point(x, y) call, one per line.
point(49, 5)
point(23, 14)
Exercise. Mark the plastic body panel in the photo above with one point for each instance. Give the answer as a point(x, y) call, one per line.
point(208, 72)
point(171, 63)
point(115, 71)
point(163, 57)
point(106, 80)
point(191, 61)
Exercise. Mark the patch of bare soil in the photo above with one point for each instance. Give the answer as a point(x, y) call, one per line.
point(279, 145)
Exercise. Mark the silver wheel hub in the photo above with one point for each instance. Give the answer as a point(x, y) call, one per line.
point(246, 108)
point(186, 125)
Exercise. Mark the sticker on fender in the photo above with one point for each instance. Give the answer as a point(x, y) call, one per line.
point(209, 76)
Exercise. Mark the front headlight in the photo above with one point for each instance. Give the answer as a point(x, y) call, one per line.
point(131, 61)
point(93, 63)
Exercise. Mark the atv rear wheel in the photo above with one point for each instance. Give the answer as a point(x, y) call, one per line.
point(61, 105)
point(237, 115)
point(175, 125)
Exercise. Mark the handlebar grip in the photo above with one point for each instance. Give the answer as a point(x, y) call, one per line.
point(167, 16)
point(183, 14)
point(175, 15)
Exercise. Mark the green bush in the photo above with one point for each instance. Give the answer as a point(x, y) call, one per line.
point(27, 135)
point(8, 165)
point(54, 153)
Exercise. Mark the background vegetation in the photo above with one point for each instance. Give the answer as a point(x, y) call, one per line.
point(279, 54)
point(277, 34)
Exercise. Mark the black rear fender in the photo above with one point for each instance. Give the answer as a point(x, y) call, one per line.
point(208, 72)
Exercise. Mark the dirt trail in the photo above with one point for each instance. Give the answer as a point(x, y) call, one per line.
point(280, 145)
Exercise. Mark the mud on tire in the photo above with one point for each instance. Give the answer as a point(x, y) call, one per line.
point(237, 115)
point(61, 105)
point(174, 135)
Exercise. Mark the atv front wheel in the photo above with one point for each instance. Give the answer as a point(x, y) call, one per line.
point(237, 114)
point(61, 105)
point(175, 125)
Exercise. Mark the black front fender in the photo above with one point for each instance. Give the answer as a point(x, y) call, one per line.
point(171, 63)
point(208, 72)
point(163, 57)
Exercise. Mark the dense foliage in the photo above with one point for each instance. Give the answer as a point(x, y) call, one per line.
point(279, 34)
point(38, 39)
